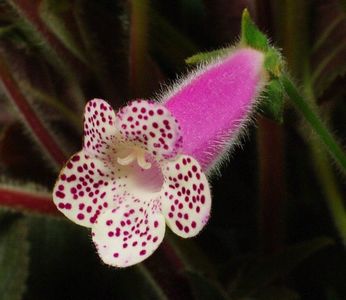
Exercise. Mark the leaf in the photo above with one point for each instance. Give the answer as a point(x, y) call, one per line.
point(263, 271)
point(273, 104)
point(204, 289)
point(64, 265)
point(251, 35)
point(51, 13)
point(206, 56)
point(14, 258)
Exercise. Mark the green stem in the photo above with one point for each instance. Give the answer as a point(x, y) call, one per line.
point(325, 173)
point(330, 188)
point(315, 122)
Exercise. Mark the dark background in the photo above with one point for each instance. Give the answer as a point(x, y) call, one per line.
point(272, 232)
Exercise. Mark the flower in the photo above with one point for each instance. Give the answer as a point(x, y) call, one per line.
point(214, 104)
point(129, 179)
point(143, 167)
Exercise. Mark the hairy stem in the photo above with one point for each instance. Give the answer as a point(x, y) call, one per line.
point(29, 11)
point(19, 200)
point(315, 122)
point(58, 55)
point(29, 116)
point(324, 172)
point(333, 195)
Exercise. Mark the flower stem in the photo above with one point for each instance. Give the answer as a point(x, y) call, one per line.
point(324, 171)
point(330, 188)
point(315, 122)
point(37, 127)
point(31, 202)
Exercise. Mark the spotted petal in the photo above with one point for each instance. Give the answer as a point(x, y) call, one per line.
point(186, 198)
point(152, 127)
point(129, 233)
point(84, 189)
point(99, 127)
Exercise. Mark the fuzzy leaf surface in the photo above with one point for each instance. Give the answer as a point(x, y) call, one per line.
point(14, 258)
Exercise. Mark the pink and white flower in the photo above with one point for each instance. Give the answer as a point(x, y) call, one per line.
point(143, 167)
point(129, 180)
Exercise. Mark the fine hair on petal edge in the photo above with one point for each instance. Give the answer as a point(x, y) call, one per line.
point(224, 144)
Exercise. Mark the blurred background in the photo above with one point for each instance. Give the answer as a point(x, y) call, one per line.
point(278, 224)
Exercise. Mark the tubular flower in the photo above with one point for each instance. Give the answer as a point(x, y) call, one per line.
point(142, 167)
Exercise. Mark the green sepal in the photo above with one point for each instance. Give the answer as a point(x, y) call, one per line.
point(203, 57)
point(251, 35)
point(273, 62)
point(273, 103)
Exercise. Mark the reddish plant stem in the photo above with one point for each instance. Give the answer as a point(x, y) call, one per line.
point(30, 117)
point(271, 185)
point(271, 157)
point(30, 11)
point(29, 202)
point(43, 204)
